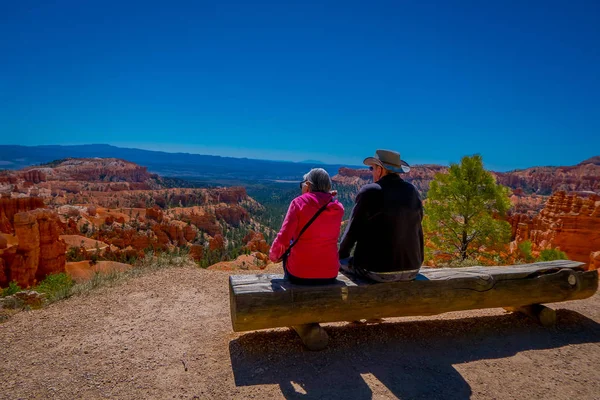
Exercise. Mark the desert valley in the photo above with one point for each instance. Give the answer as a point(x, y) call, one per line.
point(88, 215)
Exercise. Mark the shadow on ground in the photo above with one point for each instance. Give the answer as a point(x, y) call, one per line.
point(413, 359)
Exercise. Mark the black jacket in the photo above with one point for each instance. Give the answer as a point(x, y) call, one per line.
point(386, 227)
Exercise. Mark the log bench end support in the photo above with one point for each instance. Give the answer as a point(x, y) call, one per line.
point(544, 315)
point(313, 336)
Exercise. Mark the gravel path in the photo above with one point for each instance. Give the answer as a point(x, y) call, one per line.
point(168, 335)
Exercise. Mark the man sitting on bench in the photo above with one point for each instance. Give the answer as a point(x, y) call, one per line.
point(385, 225)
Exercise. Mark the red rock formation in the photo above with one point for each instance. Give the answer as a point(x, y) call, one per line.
point(123, 238)
point(230, 195)
point(161, 235)
point(155, 214)
point(40, 251)
point(94, 170)
point(11, 206)
point(52, 249)
point(254, 261)
point(232, 214)
point(255, 241)
point(545, 180)
point(5, 225)
point(8, 177)
point(364, 174)
point(206, 223)
point(594, 260)
point(33, 176)
point(216, 243)
point(3, 274)
point(521, 226)
point(196, 252)
point(140, 242)
point(189, 233)
point(569, 222)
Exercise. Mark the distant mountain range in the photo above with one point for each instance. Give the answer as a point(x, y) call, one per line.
point(182, 165)
point(542, 180)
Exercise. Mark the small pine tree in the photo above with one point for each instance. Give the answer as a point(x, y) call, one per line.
point(552, 254)
point(464, 209)
point(525, 250)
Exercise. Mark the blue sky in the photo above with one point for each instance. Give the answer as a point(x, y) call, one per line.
point(515, 81)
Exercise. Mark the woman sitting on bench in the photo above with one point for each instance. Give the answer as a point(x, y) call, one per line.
point(307, 241)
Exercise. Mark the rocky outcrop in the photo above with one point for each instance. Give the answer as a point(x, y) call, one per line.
point(91, 170)
point(216, 243)
point(255, 242)
point(206, 223)
point(40, 250)
point(594, 260)
point(9, 207)
point(254, 261)
point(232, 214)
point(3, 274)
point(363, 174)
point(155, 214)
point(231, 195)
point(570, 222)
point(33, 176)
point(546, 180)
point(196, 252)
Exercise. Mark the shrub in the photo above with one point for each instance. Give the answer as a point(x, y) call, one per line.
point(12, 288)
point(55, 286)
point(552, 254)
point(76, 254)
point(525, 250)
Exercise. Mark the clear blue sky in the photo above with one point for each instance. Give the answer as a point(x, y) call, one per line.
point(516, 81)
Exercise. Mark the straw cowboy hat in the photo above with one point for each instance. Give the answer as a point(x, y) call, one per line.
point(389, 160)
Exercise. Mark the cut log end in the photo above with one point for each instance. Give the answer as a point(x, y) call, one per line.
point(544, 315)
point(313, 336)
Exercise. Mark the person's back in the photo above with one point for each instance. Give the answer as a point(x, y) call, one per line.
point(314, 258)
point(385, 226)
point(391, 239)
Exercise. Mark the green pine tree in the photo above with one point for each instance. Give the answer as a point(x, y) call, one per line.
point(464, 208)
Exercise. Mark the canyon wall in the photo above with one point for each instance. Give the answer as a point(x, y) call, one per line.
point(9, 207)
point(570, 222)
point(39, 251)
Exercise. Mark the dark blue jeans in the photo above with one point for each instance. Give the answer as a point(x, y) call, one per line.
point(304, 281)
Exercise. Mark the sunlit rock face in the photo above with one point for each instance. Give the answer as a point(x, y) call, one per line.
point(584, 177)
point(9, 207)
point(570, 222)
point(39, 251)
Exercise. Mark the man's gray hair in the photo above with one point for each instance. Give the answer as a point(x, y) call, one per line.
point(319, 180)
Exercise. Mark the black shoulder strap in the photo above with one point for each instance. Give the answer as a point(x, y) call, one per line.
point(287, 252)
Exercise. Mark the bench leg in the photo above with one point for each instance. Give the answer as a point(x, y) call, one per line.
point(313, 336)
point(542, 314)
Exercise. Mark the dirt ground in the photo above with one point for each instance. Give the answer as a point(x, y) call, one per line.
point(167, 335)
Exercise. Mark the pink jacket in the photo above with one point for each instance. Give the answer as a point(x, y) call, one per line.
point(316, 253)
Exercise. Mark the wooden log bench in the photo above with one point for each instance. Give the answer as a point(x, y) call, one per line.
point(268, 301)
